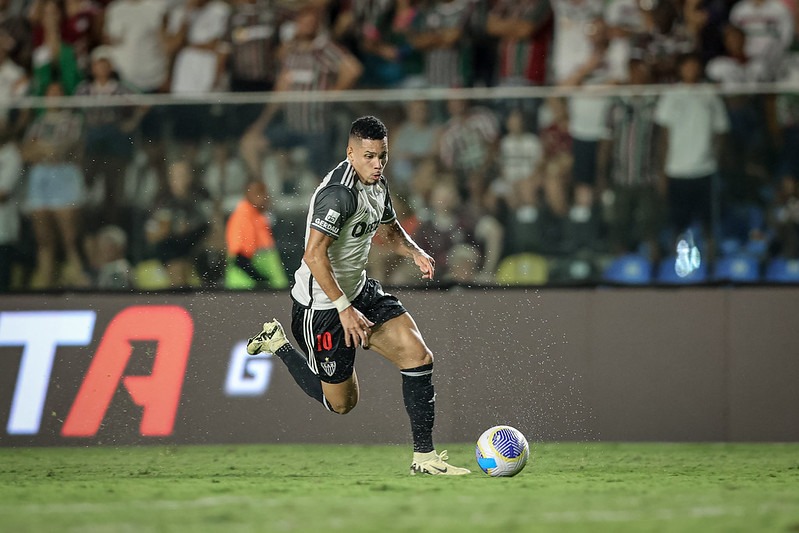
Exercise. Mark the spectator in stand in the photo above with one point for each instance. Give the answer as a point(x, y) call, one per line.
point(106, 250)
point(178, 224)
point(135, 30)
point(735, 68)
point(521, 155)
point(524, 31)
point(10, 174)
point(556, 141)
point(13, 83)
point(468, 142)
point(441, 35)
point(464, 265)
point(311, 62)
point(290, 181)
point(253, 259)
point(54, 60)
point(440, 229)
point(583, 227)
point(746, 158)
point(624, 22)
point(108, 134)
point(253, 33)
point(415, 140)
point(628, 167)
point(666, 38)
point(769, 28)
point(82, 28)
point(387, 48)
point(16, 35)
point(530, 225)
point(78, 26)
point(56, 192)
point(575, 21)
point(195, 39)
point(554, 131)
point(225, 178)
point(350, 20)
point(587, 113)
point(694, 120)
point(709, 19)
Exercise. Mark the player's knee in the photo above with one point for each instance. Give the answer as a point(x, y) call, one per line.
point(421, 358)
point(342, 408)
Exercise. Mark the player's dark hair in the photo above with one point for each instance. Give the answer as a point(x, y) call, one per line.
point(368, 127)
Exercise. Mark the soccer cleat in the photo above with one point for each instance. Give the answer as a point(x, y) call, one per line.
point(435, 465)
point(269, 340)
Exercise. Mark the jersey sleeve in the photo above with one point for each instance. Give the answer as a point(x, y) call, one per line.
point(388, 209)
point(331, 209)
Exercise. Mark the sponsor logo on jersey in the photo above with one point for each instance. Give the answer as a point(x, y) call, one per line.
point(362, 228)
point(326, 225)
point(332, 216)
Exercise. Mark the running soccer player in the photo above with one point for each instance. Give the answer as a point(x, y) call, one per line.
point(337, 307)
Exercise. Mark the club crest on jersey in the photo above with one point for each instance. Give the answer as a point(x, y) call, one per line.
point(332, 216)
point(329, 367)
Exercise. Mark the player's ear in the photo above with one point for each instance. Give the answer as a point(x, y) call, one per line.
point(349, 150)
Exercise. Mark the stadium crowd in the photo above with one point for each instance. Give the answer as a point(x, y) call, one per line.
point(505, 190)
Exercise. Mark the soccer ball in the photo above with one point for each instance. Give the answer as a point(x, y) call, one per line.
point(502, 451)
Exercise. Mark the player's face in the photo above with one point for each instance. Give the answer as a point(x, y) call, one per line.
point(369, 157)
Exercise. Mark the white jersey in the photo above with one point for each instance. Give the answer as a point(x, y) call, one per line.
point(343, 208)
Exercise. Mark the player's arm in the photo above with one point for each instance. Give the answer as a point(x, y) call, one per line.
point(356, 326)
point(403, 244)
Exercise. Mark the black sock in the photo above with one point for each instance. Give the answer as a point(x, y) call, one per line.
point(420, 402)
point(298, 368)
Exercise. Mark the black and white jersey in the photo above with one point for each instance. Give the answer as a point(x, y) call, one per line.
point(350, 212)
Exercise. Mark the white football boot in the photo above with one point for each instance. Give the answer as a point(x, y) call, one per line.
point(435, 465)
point(269, 340)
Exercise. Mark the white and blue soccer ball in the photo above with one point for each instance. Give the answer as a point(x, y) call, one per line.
point(502, 451)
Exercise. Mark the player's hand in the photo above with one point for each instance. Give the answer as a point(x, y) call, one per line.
point(425, 263)
point(357, 327)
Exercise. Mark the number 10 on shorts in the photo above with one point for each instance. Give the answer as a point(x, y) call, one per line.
point(324, 341)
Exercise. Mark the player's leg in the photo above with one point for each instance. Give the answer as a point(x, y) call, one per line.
point(320, 335)
point(342, 397)
point(323, 366)
point(399, 340)
point(272, 339)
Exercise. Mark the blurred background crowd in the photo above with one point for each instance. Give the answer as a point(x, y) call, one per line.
point(575, 187)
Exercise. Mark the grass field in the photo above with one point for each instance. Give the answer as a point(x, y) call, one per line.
point(565, 487)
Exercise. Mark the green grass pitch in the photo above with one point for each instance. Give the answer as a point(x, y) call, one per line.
point(565, 487)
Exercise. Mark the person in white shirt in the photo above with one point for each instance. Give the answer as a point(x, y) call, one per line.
point(574, 24)
point(134, 29)
point(694, 119)
point(768, 25)
point(196, 33)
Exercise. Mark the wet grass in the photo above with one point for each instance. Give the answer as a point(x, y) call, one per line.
point(565, 487)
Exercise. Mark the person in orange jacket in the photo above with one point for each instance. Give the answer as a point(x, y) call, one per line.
point(253, 258)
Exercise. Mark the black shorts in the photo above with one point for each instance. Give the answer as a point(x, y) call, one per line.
point(320, 334)
point(584, 166)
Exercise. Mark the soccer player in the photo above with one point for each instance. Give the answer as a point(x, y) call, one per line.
point(337, 307)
